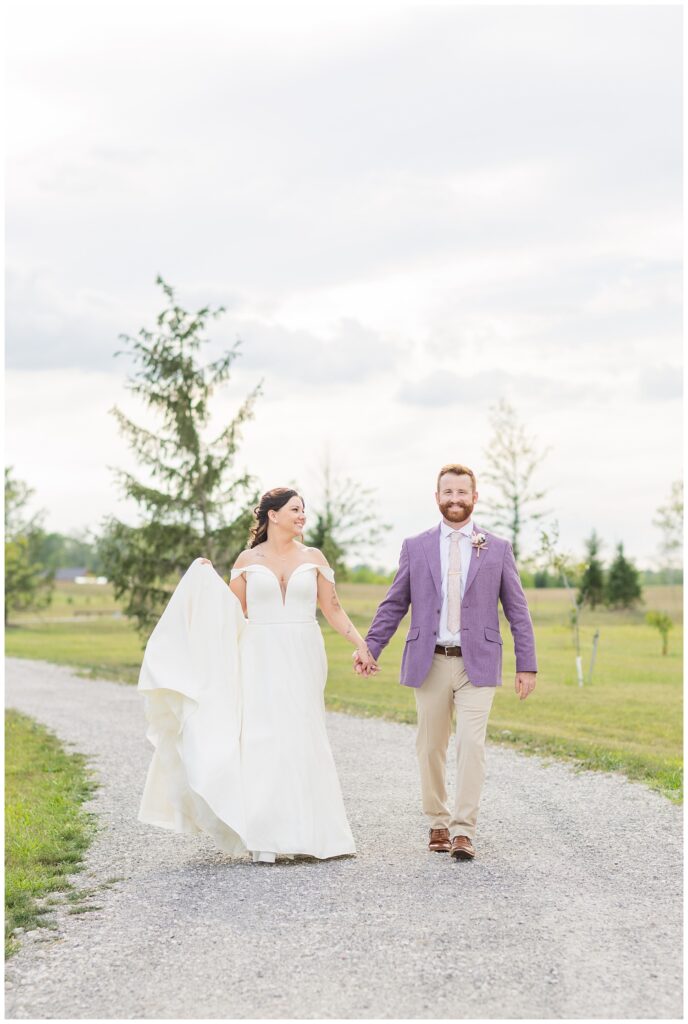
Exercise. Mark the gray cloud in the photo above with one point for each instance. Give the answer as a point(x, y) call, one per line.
point(661, 382)
point(301, 357)
point(49, 329)
point(442, 388)
point(453, 132)
point(53, 327)
point(588, 317)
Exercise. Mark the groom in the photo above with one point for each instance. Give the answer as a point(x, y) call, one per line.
point(453, 577)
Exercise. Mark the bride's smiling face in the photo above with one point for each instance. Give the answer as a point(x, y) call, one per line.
point(291, 517)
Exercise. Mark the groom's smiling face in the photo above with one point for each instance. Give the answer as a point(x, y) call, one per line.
point(456, 498)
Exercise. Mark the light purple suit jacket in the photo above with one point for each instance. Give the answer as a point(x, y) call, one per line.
point(492, 577)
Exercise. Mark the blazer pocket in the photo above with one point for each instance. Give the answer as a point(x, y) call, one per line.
point(413, 633)
point(493, 635)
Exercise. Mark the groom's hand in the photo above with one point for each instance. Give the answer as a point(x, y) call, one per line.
point(524, 684)
point(365, 667)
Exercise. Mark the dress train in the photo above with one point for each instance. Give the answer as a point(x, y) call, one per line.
point(192, 695)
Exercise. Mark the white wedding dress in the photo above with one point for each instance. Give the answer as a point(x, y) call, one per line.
point(236, 713)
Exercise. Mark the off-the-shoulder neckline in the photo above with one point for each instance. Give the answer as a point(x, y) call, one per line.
point(257, 565)
point(301, 565)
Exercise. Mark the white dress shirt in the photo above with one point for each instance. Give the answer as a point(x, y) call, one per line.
point(444, 636)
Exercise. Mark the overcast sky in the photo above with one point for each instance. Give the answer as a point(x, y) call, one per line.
point(409, 213)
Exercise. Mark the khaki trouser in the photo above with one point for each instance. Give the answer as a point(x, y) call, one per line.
point(447, 686)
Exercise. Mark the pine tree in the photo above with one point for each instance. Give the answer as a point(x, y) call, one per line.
point(190, 506)
point(591, 588)
point(623, 588)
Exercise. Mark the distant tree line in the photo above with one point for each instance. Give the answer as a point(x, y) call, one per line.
point(33, 556)
point(61, 551)
point(28, 579)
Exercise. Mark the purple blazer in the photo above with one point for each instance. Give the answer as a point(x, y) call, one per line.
point(492, 577)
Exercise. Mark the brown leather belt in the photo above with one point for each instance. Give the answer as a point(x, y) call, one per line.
point(451, 652)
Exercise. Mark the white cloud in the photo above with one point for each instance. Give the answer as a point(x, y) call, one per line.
point(396, 205)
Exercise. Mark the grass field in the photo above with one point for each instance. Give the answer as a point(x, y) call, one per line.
point(629, 718)
point(46, 828)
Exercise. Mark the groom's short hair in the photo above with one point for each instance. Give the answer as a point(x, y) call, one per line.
point(456, 467)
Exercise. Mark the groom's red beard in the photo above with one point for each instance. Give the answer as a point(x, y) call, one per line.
point(456, 512)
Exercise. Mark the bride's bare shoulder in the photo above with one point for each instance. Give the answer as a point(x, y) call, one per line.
point(315, 555)
point(245, 557)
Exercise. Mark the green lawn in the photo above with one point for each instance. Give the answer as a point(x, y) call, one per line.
point(629, 718)
point(104, 648)
point(46, 828)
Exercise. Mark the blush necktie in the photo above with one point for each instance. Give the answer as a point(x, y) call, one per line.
point(454, 583)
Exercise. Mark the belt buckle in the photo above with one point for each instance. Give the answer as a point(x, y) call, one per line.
point(446, 650)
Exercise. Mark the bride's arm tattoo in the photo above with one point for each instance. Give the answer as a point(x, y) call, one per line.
point(337, 606)
point(339, 620)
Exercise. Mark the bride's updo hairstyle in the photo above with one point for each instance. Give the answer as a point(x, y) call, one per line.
point(271, 501)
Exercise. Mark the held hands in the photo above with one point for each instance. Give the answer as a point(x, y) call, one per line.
point(524, 684)
point(364, 662)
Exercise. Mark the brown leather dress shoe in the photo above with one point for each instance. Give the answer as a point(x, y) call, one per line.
point(439, 840)
point(462, 848)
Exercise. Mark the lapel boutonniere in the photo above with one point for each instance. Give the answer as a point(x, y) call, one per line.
point(478, 540)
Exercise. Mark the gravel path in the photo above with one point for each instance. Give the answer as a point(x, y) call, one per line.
point(572, 908)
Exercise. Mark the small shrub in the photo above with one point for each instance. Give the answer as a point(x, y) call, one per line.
point(662, 623)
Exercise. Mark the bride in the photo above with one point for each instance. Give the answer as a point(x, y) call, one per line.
point(233, 679)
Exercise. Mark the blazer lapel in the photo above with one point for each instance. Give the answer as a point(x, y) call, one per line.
point(475, 563)
point(431, 547)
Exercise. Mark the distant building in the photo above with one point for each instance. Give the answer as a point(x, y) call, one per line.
point(79, 575)
point(69, 575)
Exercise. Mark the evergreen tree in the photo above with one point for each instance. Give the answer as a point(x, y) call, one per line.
point(28, 581)
point(591, 588)
point(623, 588)
point(191, 505)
